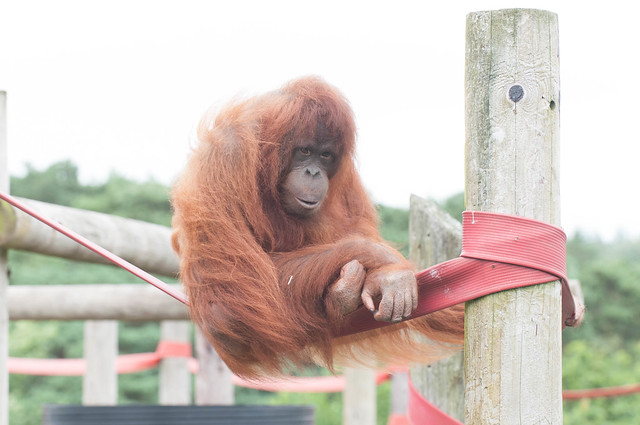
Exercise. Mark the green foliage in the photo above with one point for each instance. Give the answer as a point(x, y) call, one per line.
point(612, 294)
point(605, 350)
point(42, 340)
point(142, 201)
point(58, 184)
point(394, 227)
point(454, 205)
point(609, 274)
point(588, 365)
point(27, 268)
point(582, 251)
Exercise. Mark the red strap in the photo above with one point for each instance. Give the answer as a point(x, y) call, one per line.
point(601, 392)
point(499, 252)
point(398, 419)
point(127, 363)
point(173, 349)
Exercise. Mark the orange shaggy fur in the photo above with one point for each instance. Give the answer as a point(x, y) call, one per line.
point(257, 277)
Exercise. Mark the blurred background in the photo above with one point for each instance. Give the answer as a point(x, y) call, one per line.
point(103, 98)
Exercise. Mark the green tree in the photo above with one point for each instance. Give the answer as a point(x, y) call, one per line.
point(587, 365)
point(454, 205)
point(612, 296)
point(148, 201)
point(394, 227)
point(58, 184)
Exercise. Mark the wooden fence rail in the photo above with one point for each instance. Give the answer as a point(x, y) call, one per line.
point(146, 245)
point(125, 302)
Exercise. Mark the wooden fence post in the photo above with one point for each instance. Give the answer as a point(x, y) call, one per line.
point(399, 394)
point(214, 383)
point(435, 237)
point(100, 382)
point(175, 378)
point(513, 338)
point(4, 275)
point(359, 397)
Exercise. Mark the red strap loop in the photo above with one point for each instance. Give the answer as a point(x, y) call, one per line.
point(499, 252)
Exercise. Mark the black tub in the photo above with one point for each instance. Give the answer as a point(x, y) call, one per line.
point(177, 415)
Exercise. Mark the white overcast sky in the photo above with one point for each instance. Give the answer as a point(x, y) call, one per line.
point(119, 86)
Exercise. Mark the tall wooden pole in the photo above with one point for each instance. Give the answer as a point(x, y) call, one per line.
point(4, 276)
point(175, 378)
point(359, 397)
point(100, 379)
point(214, 384)
point(513, 339)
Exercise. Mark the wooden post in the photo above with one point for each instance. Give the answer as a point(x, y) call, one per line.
point(100, 384)
point(214, 383)
point(175, 378)
point(513, 339)
point(359, 397)
point(435, 237)
point(4, 275)
point(399, 394)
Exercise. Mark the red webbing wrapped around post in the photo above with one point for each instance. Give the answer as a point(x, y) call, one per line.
point(499, 252)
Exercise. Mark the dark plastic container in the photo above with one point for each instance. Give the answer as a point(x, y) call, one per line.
point(177, 415)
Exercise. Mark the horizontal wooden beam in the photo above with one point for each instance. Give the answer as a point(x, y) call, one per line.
point(144, 244)
point(126, 302)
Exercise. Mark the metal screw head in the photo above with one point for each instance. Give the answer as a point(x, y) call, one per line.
point(516, 93)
